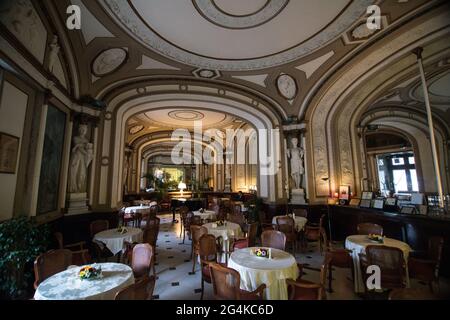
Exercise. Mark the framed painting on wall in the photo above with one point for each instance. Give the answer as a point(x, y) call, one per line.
point(9, 150)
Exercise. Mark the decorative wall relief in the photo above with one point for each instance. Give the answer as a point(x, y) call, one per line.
point(22, 20)
point(49, 181)
point(287, 86)
point(109, 61)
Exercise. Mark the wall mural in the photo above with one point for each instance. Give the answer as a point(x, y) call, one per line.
point(51, 161)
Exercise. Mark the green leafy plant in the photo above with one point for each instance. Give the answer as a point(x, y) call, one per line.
point(21, 241)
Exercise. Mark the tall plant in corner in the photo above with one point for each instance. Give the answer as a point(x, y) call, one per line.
point(21, 241)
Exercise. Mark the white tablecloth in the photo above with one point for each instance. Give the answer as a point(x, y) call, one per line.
point(207, 214)
point(358, 243)
point(230, 230)
point(300, 222)
point(67, 286)
point(273, 272)
point(138, 209)
point(114, 240)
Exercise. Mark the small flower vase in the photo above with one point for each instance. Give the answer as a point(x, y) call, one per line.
point(270, 253)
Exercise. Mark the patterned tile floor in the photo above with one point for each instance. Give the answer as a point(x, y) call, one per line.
point(177, 282)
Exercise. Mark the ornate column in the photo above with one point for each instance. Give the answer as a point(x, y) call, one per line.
point(295, 154)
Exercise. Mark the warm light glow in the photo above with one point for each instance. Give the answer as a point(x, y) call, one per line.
point(182, 186)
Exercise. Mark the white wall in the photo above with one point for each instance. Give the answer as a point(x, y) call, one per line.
point(13, 106)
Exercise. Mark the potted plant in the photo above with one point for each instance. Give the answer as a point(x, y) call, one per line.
point(21, 241)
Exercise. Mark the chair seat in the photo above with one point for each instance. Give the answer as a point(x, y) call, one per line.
point(206, 273)
point(241, 244)
point(303, 293)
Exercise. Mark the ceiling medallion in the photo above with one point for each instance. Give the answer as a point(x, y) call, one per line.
point(186, 115)
point(206, 73)
point(287, 86)
point(136, 129)
point(109, 61)
point(125, 14)
point(211, 11)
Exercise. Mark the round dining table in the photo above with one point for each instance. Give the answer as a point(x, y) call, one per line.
point(66, 285)
point(114, 240)
point(205, 215)
point(273, 272)
point(228, 231)
point(300, 222)
point(137, 209)
point(357, 244)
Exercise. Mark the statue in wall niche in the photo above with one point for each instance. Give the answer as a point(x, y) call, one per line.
point(81, 158)
point(296, 155)
point(53, 55)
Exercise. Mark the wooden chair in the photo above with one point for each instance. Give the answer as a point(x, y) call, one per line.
point(307, 290)
point(314, 232)
point(426, 268)
point(369, 228)
point(239, 219)
point(265, 222)
point(197, 232)
point(142, 289)
point(186, 223)
point(80, 254)
point(183, 216)
point(300, 212)
point(164, 204)
point(273, 239)
point(226, 285)
point(102, 253)
point(286, 225)
point(49, 263)
point(98, 226)
point(249, 241)
point(336, 257)
point(391, 262)
point(142, 260)
point(208, 250)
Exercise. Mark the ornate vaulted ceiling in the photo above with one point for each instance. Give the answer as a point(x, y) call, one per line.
point(282, 50)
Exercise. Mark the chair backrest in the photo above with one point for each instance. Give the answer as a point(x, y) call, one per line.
point(208, 248)
point(142, 259)
point(252, 230)
point(153, 222)
point(98, 226)
point(197, 232)
point(300, 212)
point(391, 263)
point(50, 263)
point(286, 224)
point(59, 239)
point(299, 290)
point(142, 289)
point(150, 234)
point(196, 221)
point(435, 246)
point(273, 239)
point(237, 209)
point(237, 218)
point(369, 228)
point(226, 282)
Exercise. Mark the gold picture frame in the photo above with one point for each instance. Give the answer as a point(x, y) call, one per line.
point(9, 151)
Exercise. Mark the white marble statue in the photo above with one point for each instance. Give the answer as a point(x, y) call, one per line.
point(81, 158)
point(296, 155)
point(53, 55)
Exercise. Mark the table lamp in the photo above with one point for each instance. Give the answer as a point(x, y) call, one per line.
point(182, 186)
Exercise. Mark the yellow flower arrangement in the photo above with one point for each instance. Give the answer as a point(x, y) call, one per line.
point(89, 272)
